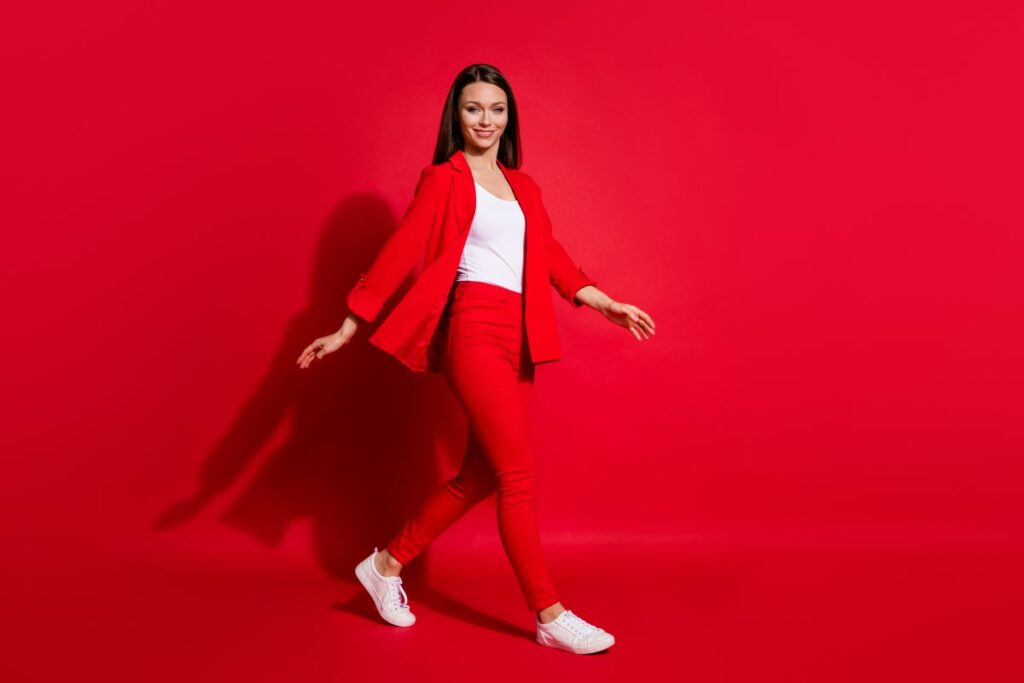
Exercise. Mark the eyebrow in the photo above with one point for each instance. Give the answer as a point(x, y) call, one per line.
point(475, 102)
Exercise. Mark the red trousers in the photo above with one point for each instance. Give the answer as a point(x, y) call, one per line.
point(488, 367)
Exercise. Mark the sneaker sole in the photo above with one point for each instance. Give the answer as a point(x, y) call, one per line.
point(601, 646)
point(361, 570)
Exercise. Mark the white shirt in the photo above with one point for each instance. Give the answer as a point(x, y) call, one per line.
point(494, 246)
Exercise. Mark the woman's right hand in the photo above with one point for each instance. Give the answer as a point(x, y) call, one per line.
point(329, 344)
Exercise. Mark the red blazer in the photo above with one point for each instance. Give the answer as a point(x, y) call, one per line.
point(434, 229)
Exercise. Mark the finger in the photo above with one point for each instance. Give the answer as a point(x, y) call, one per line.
point(640, 316)
point(647, 318)
point(635, 334)
point(309, 355)
point(638, 327)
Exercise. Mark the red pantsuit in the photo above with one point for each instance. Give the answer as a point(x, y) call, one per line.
point(485, 340)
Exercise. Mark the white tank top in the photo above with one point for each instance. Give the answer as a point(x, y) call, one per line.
point(494, 246)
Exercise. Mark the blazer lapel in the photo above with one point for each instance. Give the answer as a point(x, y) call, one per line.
point(465, 192)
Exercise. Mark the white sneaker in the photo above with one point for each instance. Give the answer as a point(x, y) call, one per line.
point(570, 633)
point(388, 595)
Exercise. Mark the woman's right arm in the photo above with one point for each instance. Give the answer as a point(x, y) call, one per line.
point(402, 250)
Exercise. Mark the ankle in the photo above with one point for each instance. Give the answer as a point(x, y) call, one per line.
point(386, 564)
point(550, 613)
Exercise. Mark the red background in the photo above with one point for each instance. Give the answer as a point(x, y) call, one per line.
point(812, 472)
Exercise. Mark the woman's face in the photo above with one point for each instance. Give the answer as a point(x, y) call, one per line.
point(483, 115)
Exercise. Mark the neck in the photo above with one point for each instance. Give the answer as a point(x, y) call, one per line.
point(482, 160)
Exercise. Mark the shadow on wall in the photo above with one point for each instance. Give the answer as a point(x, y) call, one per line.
point(363, 440)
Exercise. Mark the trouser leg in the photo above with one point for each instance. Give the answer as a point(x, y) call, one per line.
point(446, 504)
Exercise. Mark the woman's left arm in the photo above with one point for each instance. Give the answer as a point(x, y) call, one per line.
point(626, 315)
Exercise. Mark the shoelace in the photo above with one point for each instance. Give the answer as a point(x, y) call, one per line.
point(397, 602)
point(578, 625)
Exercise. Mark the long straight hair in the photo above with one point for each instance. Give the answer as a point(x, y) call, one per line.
point(450, 138)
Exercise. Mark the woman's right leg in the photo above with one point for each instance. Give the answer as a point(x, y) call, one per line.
point(446, 504)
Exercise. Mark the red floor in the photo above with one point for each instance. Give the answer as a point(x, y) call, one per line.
point(720, 611)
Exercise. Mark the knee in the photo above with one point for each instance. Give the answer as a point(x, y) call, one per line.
point(472, 488)
point(518, 483)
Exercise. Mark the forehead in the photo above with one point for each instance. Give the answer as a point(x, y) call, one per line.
point(484, 93)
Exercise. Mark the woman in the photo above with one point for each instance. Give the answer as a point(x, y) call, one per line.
point(480, 313)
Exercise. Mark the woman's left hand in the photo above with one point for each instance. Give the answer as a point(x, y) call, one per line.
point(630, 317)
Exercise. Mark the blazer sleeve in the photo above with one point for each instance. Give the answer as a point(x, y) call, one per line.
point(566, 277)
point(402, 250)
